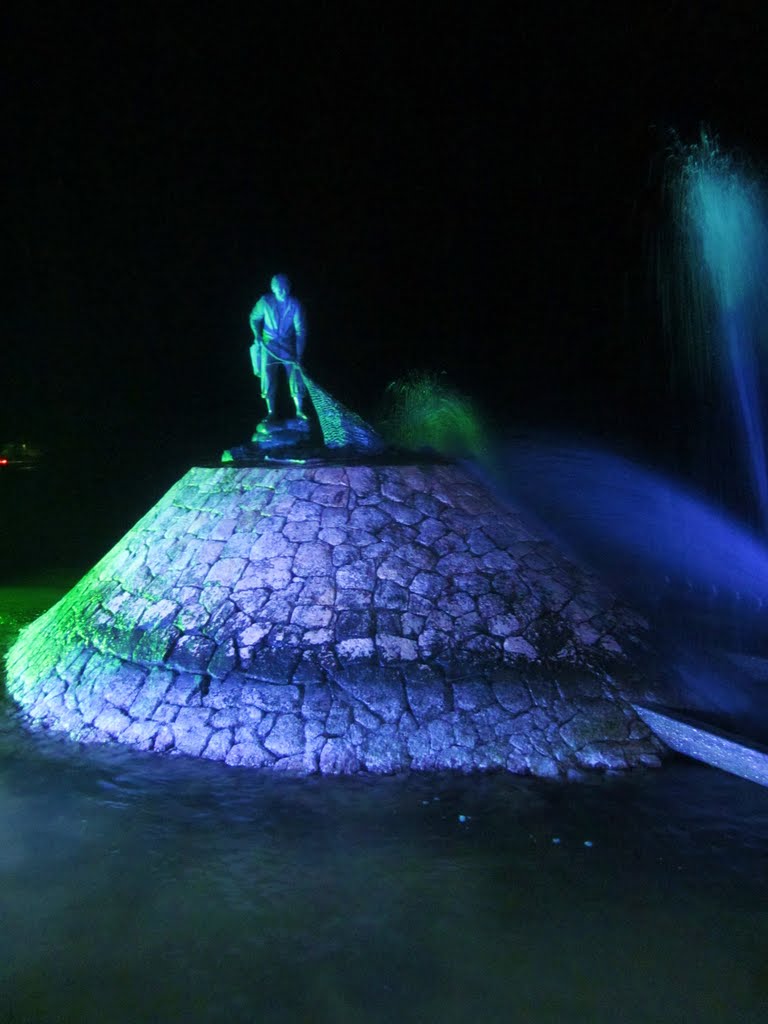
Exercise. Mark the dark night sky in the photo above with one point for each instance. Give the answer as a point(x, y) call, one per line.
point(458, 187)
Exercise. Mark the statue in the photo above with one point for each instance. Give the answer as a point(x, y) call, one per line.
point(279, 338)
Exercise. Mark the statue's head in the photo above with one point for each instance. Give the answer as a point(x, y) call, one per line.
point(281, 287)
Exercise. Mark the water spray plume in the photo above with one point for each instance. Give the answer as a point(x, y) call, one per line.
point(720, 242)
point(423, 411)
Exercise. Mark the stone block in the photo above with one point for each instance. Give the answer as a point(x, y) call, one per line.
point(249, 755)
point(123, 688)
point(250, 716)
point(153, 690)
point(338, 757)
point(90, 704)
point(514, 697)
point(157, 614)
point(163, 739)
point(334, 520)
point(338, 720)
point(481, 649)
point(218, 745)
point(313, 558)
point(378, 689)
point(271, 546)
point(192, 616)
point(353, 599)
point(191, 653)
point(598, 721)
point(440, 735)
point(165, 713)
point(428, 585)
point(517, 647)
point(271, 696)
point(433, 642)
point(430, 530)
point(184, 688)
point(278, 609)
point(275, 574)
point(601, 754)
point(395, 488)
point(390, 595)
point(316, 702)
point(226, 572)
point(450, 544)
point(353, 623)
point(250, 602)
point(253, 635)
point(394, 568)
point(303, 511)
point(407, 515)
point(225, 718)
point(317, 637)
point(363, 719)
point(224, 660)
point(384, 751)
point(311, 616)
point(299, 532)
point(286, 736)
point(190, 737)
point(396, 648)
point(427, 697)
point(370, 518)
point(331, 495)
point(359, 575)
point(471, 695)
point(112, 721)
point(362, 480)
point(140, 735)
point(453, 564)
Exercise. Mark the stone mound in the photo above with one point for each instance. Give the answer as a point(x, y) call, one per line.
point(341, 618)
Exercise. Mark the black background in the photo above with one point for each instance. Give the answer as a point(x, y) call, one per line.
point(467, 188)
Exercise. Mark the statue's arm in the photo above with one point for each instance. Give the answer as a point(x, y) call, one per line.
point(257, 320)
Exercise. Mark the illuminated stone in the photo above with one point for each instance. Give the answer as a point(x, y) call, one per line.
point(340, 619)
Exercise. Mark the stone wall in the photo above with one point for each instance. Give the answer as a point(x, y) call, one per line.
point(338, 619)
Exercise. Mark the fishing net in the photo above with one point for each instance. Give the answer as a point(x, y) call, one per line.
point(341, 427)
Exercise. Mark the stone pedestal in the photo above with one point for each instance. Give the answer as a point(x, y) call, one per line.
point(342, 618)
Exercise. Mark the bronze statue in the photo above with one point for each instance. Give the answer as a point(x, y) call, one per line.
point(279, 339)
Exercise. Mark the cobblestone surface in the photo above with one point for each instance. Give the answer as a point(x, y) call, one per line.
point(342, 619)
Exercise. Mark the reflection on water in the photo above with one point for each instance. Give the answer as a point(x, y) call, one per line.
point(139, 888)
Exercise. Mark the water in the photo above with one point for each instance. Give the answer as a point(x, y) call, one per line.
point(134, 887)
point(719, 256)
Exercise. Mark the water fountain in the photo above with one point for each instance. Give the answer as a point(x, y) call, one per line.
point(698, 572)
point(365, 611)
point(713, 278)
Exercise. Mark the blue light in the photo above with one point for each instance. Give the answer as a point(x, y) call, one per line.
point(721, 243)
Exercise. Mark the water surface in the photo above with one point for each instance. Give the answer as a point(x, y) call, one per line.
point(136, 887)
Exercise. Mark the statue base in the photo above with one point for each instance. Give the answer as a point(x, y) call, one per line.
point(273, 432)
point(276, 440)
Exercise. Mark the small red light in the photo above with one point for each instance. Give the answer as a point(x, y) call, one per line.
point(3, 462)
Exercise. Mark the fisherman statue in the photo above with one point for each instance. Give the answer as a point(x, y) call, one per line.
point(279, 338)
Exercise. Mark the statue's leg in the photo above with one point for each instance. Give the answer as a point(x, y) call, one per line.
point(298, 390)
point(269, 385)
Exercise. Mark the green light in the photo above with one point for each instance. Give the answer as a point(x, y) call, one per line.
point(423, 411)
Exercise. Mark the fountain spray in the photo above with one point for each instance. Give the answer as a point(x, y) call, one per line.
point(721, 243)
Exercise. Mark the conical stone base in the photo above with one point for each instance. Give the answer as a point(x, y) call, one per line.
point(342, 619)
